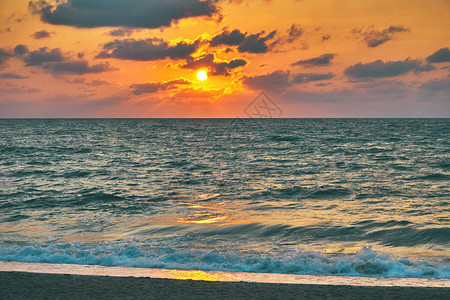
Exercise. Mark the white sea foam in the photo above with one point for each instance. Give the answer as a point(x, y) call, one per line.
point(220, 275)
point(365, 262)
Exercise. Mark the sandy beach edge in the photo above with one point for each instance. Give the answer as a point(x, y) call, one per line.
point(26, 285)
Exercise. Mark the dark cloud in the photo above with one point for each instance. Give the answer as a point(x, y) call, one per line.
point(41, 34)
point(95, 82)
point(18, 18)
point(4, 56)
point(148, 49)
point(323, 60)
point(43, 55)
point(114, 13)
point(11, 76)
point(380, 84)
point(390, 88)
point(253, 43)
point(7, 29)
point(279, 81)
point(374, 38)
point(16, 89)
point(76, 80)
point(442, 55)
point(76, 67)
point(37, 6)
point(333, 96)
point(294, 32)
point(54, 62)
point(120, 32)
point(199, 94)
point(436, 85)
point(308, 77)
point(98, 82)
point(153, 87)
point(20, 50)
point(276, 81)
point(256, 43)
point(325, 37)
point(379, 69)
point(215, 67)
point(233, 38)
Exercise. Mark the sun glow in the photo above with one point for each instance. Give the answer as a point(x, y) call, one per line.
point(201, 75)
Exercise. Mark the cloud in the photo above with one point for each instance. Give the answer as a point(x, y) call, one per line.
point(43, 55)
point(114, 13)
point(76, 67)
point(389, 88)
point(278, 81)
point(294, 32)
point(120, 32)
point(333, 96)
point(215, 67)
point(11, 76)
point(442, 55)
point(54, 62)
point(436, 85)
point(233, 38)
point(4, 56)
point(76, 80)
point(323, 60)
point(20, 50)
point(41, 34)
point(64, 106)
point(379, 69)
point(256, 43)
point(153, 87)
point(10, 88)
point(374, 38)
point(308, 77)
point(325, 37)
point(200, 94)
point(253, 43)
point(148, 49)
point(98, 82)
point(436, 89)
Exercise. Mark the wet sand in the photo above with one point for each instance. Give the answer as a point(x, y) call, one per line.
point(24, 285)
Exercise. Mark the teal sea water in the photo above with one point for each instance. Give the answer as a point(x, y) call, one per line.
point(364, 197)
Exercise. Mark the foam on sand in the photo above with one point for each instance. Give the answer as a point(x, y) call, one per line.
point(220, 276)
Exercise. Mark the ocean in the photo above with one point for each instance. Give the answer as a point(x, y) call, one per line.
point(358, 197)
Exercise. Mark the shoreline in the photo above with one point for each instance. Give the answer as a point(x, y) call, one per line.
point(253, 277)
point(26, 285)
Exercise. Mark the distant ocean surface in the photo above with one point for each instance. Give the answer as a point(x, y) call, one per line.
point(366, 197)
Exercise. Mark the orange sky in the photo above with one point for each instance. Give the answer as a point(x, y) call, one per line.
point(314, 58)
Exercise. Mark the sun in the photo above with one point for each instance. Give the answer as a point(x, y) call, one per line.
point(201, 75)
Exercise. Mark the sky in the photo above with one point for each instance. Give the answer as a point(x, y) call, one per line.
point(140, 58)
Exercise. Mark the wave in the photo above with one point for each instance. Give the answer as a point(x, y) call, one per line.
point(299, 192)
point(365, 262)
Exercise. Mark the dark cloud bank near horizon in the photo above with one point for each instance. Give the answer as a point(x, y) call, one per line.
point(279, 81)
point(380, 69)
point(153, 87)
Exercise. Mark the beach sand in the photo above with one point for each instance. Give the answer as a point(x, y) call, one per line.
point(24, 285)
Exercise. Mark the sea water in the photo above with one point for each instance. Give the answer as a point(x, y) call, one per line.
point(358, 197)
